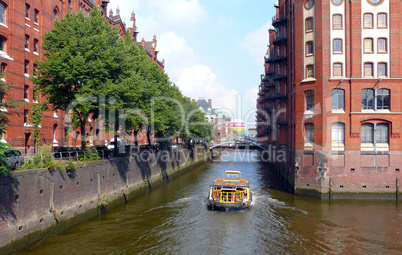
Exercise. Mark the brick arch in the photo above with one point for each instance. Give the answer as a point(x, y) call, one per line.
point(370, 119)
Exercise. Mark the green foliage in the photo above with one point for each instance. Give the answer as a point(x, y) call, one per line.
point(71, 166)
point(86, 61)
point(4, 89)
point(103, 202)
point(4, 165)
point(90, 155)
point(43, 159)
point(81, 60)
point(36, 116)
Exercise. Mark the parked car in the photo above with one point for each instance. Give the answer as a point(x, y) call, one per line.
point(121, 145)
point(131, 150)
point(149, 148)
point(62, 152)
point(103, 151)
point(14, 158)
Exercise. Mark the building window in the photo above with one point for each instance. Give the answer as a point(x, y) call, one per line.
point(35, 68)
point(367, 130)
point(3, 13)
point(310, 71)
point(26, 91)
point(375, 137)
point(36, 16)
point(337, 69)
point(3, 68)
point(25, 116)
point(368, 45)
point(309, 25)
point(26, 41)
point(382, 99)
point(337, 21)
point(309, 48)
point(368, 69)
point(368, 99)
point(338, 136)
point(2, 44)
point(382, 45)
point(26, 66)
point(35, 95)
point(375, 2)
point(382, 133)
point(309, 133)
point(378, 99)
point(309, 94)
point(27, 7)
point(55, 14)
point(382, 20)
point(35, 45)
point(338, 99)
point(382, 69)
point(368, 20)
point(337, 2)
point(337, 45)
point(309, 4)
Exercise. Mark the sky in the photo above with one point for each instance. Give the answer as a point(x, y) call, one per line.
point(212, 49)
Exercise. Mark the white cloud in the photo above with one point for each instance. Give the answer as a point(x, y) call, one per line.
point(158, 16)
point(177, 54)
point(256, 42)
point(199, 81)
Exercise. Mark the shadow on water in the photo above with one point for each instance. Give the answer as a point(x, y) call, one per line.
point(173, 219)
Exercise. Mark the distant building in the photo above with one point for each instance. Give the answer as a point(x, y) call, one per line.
point(220, 120)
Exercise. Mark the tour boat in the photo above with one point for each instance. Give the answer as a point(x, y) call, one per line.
point(230, 193)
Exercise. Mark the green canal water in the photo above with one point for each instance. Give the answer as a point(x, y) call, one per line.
point(173, 219)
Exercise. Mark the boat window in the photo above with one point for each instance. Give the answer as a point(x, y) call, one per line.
point(232, 175)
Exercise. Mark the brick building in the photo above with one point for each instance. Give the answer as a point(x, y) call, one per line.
point(22, 25)
point(220, 120)
point(330, 96)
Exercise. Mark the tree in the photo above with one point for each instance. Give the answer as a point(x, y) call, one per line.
point(4, 89)
point(36, 116)
point(81, 60)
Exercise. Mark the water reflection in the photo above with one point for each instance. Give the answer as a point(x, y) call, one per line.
point(173, 219)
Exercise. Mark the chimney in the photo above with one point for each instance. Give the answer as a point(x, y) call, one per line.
point(210, 102)
point(111, 13)
point(143, 42)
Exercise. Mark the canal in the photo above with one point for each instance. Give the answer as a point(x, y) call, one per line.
point(172, 219)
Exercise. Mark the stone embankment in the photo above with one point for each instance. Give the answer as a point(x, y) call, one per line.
point(36, 203)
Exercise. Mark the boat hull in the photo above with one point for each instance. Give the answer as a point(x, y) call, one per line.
point(217, 206)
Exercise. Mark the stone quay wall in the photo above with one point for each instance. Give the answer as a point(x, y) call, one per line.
point(36, 203)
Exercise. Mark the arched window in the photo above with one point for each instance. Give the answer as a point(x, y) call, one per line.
point(383, 99)
point(368, 99)
point(309, 97)
point(338, 99)
point(338, 133)
point(375, 137)
point(55, 14)
point(54, 132)
point(3, 68)
point(3, 13)
point(309, 133)
point(3, 44)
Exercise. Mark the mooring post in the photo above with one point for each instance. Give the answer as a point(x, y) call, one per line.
point(330, 188)
point(397, 188)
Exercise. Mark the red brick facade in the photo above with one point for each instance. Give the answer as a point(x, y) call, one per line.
point(331, 95)
point(22, 25)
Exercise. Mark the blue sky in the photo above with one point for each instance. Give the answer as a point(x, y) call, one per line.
point(212, 48)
